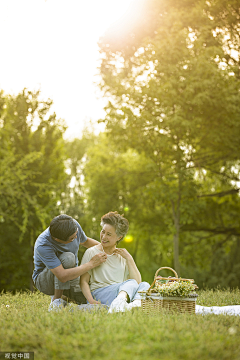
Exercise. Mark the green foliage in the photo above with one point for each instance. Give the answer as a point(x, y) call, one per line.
point(125, 181)
point(173, 89)
point(67, 335)
point(71, 200)
point(169, 159)
point(32, 179)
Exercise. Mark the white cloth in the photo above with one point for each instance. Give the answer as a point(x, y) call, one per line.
point(203, 310)
point(225, 310)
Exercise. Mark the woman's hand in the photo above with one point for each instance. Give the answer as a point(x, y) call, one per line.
point(94, 302)
point(124, 253)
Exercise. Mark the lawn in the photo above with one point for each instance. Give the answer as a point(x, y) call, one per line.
point(26, 325)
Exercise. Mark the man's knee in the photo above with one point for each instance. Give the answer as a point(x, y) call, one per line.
point(45, 282)
point(68, 260)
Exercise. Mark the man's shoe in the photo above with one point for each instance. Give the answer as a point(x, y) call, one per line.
point(118, 305)
point(57, 304)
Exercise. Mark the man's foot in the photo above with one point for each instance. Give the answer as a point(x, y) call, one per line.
point(118, 305)
point(57, 304)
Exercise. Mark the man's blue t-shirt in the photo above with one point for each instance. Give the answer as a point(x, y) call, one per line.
point(47, 250)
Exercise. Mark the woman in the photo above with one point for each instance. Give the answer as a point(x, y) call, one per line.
point(117, 280)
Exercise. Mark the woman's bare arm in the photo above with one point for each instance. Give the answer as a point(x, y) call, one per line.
point(84, 283)
point(132, 267)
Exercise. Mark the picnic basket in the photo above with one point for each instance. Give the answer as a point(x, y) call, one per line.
point(153, 302)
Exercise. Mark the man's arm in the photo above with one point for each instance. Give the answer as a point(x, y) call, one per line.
point(89, 243)
point(69, 274)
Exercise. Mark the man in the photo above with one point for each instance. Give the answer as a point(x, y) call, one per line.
point(56, 258)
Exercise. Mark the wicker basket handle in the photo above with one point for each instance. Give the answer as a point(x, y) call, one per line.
point(159, 277)
point(176, 275)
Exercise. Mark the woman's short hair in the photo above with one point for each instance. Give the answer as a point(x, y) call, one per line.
point(116, 220)
point(62, 227)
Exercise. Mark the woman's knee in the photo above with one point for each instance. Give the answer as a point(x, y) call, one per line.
point(144, 285)
point(132, 282)
point(129, 285)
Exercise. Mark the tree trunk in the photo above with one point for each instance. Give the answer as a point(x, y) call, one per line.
point(135, 250)
point(176, 251)
point(31, 261)
point(176, 219)
point(31, 271)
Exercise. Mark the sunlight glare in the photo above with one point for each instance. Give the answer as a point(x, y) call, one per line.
point(52, 45)
point(128, 238)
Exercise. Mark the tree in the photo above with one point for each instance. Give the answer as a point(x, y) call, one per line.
point(225, 17)
point(32, 179)
point(174, 98)
point(112, 183)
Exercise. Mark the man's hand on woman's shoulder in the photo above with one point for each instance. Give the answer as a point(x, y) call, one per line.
point(98, 259)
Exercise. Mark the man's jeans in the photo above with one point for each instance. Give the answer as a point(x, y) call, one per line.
point(47, 282)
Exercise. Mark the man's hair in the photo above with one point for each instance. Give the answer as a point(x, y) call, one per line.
point(116, 220)
point(62, 227)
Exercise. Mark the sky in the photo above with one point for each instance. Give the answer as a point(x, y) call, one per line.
point(51, 45)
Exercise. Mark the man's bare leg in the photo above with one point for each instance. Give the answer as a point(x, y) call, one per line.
point(57, 294)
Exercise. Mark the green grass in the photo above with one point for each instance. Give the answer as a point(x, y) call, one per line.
point(26, 325)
